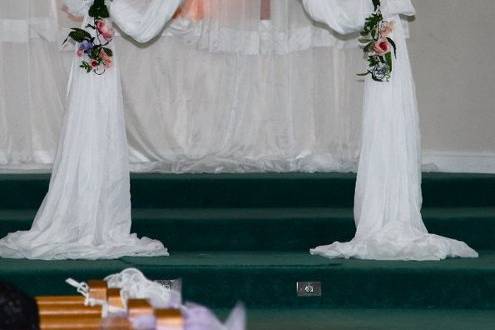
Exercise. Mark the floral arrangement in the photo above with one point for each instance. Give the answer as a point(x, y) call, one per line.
point(378, 46)
point(94, 39)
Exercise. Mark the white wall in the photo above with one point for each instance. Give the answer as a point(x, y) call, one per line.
point(453, 55)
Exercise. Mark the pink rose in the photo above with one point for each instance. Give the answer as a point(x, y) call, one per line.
point(382, 47)
point(94, 63)
point(105, 31)
point(80, 52)
point(386, 29)
point(107, 60)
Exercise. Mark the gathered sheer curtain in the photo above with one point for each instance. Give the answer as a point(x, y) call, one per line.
point(279, 89)
point(32, 82)
point(86, 213)
point(92, 158)
point(387, 201)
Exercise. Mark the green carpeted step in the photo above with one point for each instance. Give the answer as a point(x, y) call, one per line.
point(274, 219)
point(220, 279)
point(274, 229)
point(369, 319)
point(257, 190)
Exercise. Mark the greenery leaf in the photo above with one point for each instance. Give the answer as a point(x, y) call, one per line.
point(389, 60)
point(79, 35)
point(108, 51)
point(368, 48)
point(85, 65)
point(394, 46)
point(376, 4)
point(95, 53)
point(99, 10)
point(374, 61)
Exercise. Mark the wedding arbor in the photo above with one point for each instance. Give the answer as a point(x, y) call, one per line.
point(89, 189)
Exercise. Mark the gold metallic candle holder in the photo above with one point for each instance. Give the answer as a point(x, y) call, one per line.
point(71, 313)
point(169, 319)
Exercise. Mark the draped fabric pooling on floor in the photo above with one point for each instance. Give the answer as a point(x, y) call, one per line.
point(86, 213)
point(387, 202)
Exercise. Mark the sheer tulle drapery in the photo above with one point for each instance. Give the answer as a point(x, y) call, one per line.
point(86, 213)
point(388, 196)
point(387, 204)
point(304, 118)
point(253, 27)
point(32, 82)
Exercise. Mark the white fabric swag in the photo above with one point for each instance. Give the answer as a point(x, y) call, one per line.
point(387, 203)
point(86, 213)
point(282, 93)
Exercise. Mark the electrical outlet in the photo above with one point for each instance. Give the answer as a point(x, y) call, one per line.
point(309, 289)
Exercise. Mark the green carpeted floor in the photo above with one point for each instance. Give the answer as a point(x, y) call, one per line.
point(263, 279)
point(275, 229)
point(257, 190)
point(246, 237)
point(370, 319)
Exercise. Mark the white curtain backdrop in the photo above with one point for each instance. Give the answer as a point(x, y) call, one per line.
point(32, 82)
point(226, 92)
point(222, 90)
point(218, 127)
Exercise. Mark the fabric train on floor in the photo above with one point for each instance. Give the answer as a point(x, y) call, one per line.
point(87, 211)
point(387, 204)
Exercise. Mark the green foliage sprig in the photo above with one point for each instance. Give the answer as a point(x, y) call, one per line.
point(99, 10)
point(94, 40)
point(378, 46)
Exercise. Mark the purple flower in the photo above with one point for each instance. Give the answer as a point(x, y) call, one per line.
point(86, 46)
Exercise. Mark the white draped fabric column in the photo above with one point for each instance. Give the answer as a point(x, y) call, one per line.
point(388, 190)
point(87, 211)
